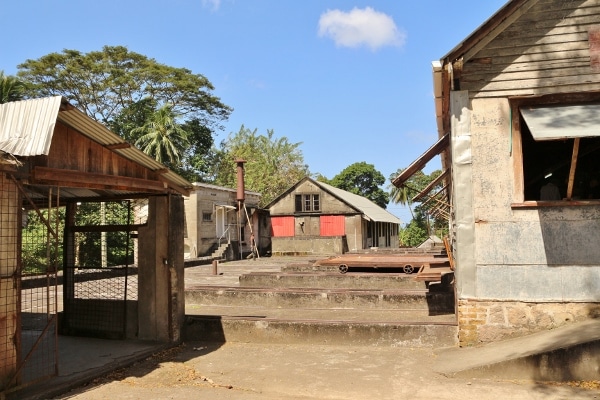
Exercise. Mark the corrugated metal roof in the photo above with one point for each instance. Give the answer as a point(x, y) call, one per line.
point(26, 127)
point(364, 205)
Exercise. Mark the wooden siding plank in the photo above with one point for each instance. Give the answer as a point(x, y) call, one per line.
point(70, 178)
point(545, 50)
point(538, 82)
point(538, 91)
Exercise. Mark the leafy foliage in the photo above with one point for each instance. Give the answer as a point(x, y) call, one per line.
point(104, 83)
point(89, 244)
point(272, 164)
point(422, 224)
point(39, 253)
point(11, 88)
point(364, 180)
point(162, 136)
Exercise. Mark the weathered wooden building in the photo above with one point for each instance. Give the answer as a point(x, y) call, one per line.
point(313, 217)
point(518, 106)
point(215, 222)
point(81, 208)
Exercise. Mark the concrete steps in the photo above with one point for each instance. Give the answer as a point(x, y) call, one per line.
point(308, 298)
point(303, 305)
point(330, 280)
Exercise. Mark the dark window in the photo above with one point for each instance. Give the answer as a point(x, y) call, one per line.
point(561, 155)
point(307, 202)
point(206, 217)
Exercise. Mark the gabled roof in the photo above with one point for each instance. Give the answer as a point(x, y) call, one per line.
point(370, 210)
point(490, 29)
point(27, 127)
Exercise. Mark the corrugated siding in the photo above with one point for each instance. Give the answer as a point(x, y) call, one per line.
point(282, 226)
point(544, 51)
point(333, 225)
point(26, 127)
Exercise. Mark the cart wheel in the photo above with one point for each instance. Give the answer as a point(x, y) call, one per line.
point(408, 269)
point(343, 268)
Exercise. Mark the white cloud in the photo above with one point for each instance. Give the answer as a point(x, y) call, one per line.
point(361, 27)
point(212, 4)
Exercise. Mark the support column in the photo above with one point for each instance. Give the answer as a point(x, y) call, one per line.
point(161, 305)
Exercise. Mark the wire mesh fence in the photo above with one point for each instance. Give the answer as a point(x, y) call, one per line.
point(37, 276)
point(100, 285)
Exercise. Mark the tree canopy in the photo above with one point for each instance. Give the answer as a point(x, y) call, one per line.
point(362, 179)
point(104, 83)
point(272, 164)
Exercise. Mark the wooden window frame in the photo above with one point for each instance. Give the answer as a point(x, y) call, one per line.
point(307, 202)
point(516, 147)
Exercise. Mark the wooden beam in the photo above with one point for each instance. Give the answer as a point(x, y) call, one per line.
point(118, 146)
point(420, 162)
point(573, 168)
point(61, 177)
point(429, 187)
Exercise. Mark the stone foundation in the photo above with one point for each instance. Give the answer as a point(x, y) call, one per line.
point(488, 321)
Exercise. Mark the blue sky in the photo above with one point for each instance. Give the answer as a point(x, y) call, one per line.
point(351, 80)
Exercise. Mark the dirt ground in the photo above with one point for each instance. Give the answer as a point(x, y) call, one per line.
point(251, 371)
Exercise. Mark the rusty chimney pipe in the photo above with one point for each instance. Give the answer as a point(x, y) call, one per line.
point(241, 190)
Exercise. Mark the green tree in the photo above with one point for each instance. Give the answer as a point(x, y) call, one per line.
point(162, 137)
point(198, 156)
point(272, 164)
point(424, 221)
point(362, 179)
point(103, 83)
point(11, 88)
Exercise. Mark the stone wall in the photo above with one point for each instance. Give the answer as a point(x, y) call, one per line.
point(488, 321)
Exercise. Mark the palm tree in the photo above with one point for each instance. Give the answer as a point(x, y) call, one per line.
point(162, 137)
point(11, 88)
point(401, 195)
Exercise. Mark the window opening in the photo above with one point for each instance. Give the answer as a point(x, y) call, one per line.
point(559, 151)
point(307, 202)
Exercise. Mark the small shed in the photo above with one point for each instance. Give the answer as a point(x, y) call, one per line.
point(312, 217)
point(518, 105)
point(91, 238)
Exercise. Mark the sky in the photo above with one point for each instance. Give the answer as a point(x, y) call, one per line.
point(350, 80)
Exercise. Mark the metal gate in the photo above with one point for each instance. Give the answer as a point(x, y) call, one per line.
point(100, 281)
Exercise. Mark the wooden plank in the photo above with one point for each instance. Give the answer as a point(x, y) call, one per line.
point(70, 178)
point(420, 162)
point(500, 25)
point(573, 168)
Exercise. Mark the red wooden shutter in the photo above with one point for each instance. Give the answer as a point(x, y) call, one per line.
point(282, 226)
point(333, 225)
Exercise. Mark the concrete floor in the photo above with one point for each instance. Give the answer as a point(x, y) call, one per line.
point(256, 371)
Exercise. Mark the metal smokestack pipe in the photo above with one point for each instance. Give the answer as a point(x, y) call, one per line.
point(241, 190)
point(240, 199)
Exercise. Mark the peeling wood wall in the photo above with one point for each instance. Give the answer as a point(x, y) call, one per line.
point(545, 51)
